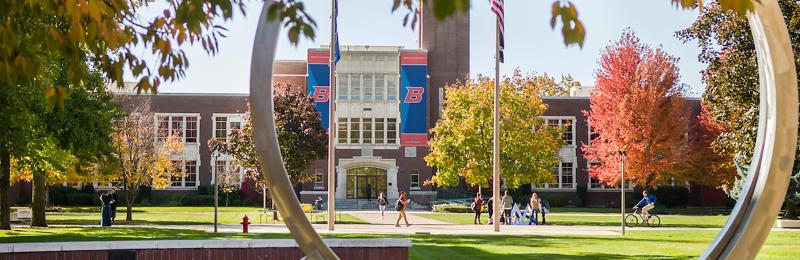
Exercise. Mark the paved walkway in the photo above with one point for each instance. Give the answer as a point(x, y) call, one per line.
point(390, 217)
point(434, 229)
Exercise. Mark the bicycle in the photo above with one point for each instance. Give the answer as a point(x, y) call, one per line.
point(633, 219)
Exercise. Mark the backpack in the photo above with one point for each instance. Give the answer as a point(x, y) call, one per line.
point(399, 205)
point(382, 201)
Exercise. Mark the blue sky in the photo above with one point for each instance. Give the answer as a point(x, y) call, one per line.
point(531, 44)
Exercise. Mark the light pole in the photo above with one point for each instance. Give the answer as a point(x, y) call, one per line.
point(215, 151)
point(622, 191)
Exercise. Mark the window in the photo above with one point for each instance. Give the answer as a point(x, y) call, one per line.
point(343, 86)
point(224, 124)
point(367, 87)
point(354, 130)
point(191, 129)
point(355, 87)
point(221, 125)
point(177, 126)
point(190, 176)
point(563, 177)
point(379, 130)
point(569, 131)
point(414, 179)
point(391, 88)
point(566, 175)
point(163, 128)
point(380, 86)
point(367, 134)
point(391, 133)
point(319, 179)
point(594, 183)
point(592, 135)
point(342, 130)
point(177, 174)
point(184, 174)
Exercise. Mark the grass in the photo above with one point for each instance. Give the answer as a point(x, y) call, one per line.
point(684, 244)
point(171, 216)
point(572, 220)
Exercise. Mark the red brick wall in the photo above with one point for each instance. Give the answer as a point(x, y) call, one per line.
point(383, 253)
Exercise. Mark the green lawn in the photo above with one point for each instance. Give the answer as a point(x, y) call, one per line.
point(636, 245)
point(170, 216)
point(605, 220)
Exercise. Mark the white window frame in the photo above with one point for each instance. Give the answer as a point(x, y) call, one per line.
point(602, 187)
point(414, 185)
point(561, 120)
point(347, 124)
point(239, 118)
point(560, 185)
point(183, 127)
point(319, 179)
point(183, 178)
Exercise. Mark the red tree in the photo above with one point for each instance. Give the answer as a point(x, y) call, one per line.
point(705, 164)
point(637, 106)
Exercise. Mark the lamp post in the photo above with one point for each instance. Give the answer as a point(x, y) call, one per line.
point(215, 150)
point(622, 191)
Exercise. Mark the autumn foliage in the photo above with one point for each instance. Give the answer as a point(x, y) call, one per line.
point(637, 106)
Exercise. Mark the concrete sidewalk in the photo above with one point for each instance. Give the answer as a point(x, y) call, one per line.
point(390, 218)
point(434, 229)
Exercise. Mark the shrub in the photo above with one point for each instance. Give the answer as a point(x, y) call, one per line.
point(82, 199)
point(582, 196)
point(557, 199)
point(58, 194)
point(672, 196)
point(452, 208)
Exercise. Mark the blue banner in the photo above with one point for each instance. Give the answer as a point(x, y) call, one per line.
point(413, 104)
point(319, 89)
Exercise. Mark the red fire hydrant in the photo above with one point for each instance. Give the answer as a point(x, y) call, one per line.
point(245, 224)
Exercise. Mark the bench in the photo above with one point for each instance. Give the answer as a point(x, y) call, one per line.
point(20, 215)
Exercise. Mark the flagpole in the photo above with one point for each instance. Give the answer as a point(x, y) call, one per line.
point(332, 123)
point(496, 139)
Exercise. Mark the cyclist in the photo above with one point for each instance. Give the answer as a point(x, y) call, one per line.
point(648, 203)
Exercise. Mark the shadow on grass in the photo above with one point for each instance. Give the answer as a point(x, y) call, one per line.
point(456, 252)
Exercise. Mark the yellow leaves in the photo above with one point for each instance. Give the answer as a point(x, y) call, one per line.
point(571, 27)
point(55, 96)
point(739, 6)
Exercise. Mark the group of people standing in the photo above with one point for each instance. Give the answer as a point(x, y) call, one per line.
point(512, 213)
point(108, 200)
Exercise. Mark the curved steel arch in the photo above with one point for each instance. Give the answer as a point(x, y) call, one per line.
point(768, 178)
point(747, 227)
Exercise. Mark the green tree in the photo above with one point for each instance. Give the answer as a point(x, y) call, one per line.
point(461, 142)
point(732, 85)
point(302, 138)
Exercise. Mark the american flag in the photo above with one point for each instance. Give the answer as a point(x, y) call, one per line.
point(497, 8)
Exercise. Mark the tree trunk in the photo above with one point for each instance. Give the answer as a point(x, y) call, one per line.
point(5, 185)
point(130, 196)
point(39, 204)
point(791, 211)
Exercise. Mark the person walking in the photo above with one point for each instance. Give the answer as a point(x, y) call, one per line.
point(508, 203)
point(113, 205)
point(401, 206)
point(490, 209)
point(368, 191)
point(536, 206)
point(105, 212)
point(382, 204)
point(477, 205)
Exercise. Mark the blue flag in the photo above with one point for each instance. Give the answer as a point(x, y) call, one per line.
point(337, 53)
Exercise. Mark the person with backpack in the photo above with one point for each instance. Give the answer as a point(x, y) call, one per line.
point(477, 204)
point(545, 209)
point(401, 205)
point(382, 204)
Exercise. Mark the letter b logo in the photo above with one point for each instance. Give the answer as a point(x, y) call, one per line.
point(414, 94)
point(321, 94)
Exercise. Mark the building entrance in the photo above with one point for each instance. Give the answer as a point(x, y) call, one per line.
point(365, 183)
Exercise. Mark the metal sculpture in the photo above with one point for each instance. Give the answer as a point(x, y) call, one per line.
point(752, 217)
point(266, 139)
point(754, 214)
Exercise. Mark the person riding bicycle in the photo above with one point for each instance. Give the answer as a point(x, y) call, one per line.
point(648, 203)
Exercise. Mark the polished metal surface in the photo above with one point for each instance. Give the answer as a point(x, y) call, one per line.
point(261, 112)
point(760, 202)
point(746, 229)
